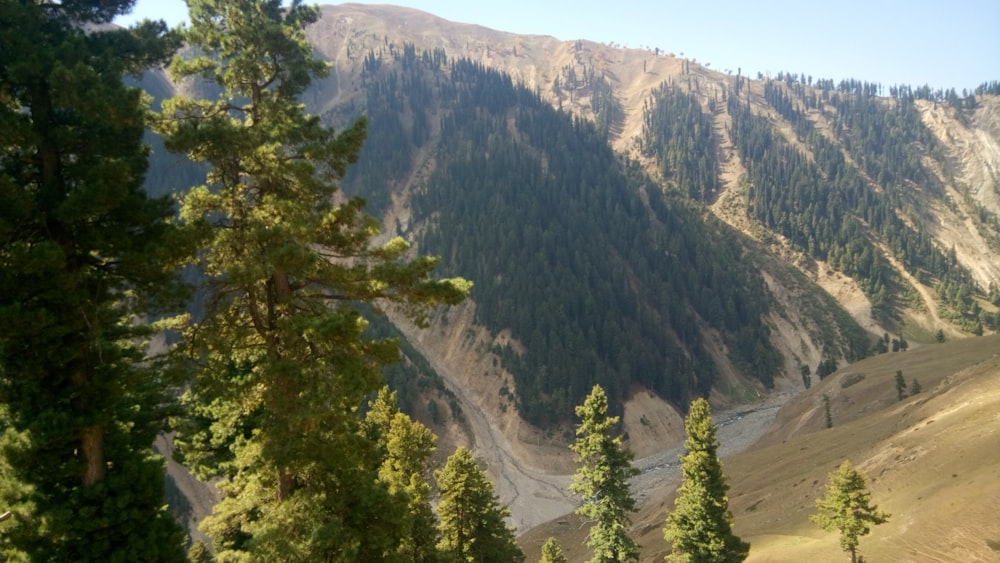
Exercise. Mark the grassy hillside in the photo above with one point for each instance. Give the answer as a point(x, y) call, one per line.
point(933, 462)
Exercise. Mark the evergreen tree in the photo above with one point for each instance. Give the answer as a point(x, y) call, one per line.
point(552, 552)
point(827, 416)
point(700, 527)
point(472, 523)
point(601, 481)
point(900, 385)
point(915, 387)
point(85, 259)
point(281, 361)
point(406, 446)
point(847, 508)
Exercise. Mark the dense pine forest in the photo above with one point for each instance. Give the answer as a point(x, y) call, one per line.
point(595, 283)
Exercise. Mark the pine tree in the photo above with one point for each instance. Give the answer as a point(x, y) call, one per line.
point(406, 447)
point(700, 527)
point(552, 552)
point(601, 480)
point(281, 361)
point(900, 385)
point(471, 521)
point(85, 258)
point(847, 507)
point(827, 415)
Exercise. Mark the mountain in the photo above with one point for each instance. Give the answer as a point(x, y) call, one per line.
point(620, 210)
point(635, 219)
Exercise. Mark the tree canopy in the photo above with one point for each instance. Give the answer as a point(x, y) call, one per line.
point(87, 261)
point(472, 522)
point(281, 363)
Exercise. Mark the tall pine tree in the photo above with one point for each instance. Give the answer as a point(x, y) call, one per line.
point(602, 481)
point(85, 256)
point(282, 364)
point(405, 447)
point(472, 522)
point(700, 529)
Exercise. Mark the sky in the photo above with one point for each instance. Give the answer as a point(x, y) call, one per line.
point(944, 44)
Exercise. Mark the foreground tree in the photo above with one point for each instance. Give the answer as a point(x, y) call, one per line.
point(602, 481)
point(472, 526)
point(405, 447)
point(700, 529)
point(282, 364)
point(84, 256)
point(847, 507)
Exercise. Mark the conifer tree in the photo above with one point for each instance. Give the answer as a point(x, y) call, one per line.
point(700, 529)
point(847, 507)
point(472, 522)
point(601, 481)
point(85, 256)
point(282, 364)
point(552, 552)
point(900, 385)
point(406, 446)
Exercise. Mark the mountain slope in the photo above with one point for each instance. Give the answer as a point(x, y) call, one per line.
point(931, 459)
point(918, 183)
point(591, 272)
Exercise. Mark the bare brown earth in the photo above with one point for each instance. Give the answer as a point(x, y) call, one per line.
point(974, 155)
point(531, 471)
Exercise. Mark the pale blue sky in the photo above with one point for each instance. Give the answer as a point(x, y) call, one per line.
point(944, 43)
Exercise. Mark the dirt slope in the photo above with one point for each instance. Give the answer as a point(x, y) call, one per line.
point(933, 461)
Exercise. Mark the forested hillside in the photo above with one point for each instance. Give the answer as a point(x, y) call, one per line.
point(583, 197)
point(599, 275)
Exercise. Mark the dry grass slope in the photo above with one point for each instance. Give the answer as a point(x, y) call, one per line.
point(933, 462)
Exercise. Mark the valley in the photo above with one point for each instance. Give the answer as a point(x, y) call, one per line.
point(788, 224)
point(357, 283)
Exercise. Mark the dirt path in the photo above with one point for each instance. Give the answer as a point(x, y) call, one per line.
point(930, 320)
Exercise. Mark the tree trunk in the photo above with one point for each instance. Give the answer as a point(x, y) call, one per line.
point(92, 446)
point(286, 485)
